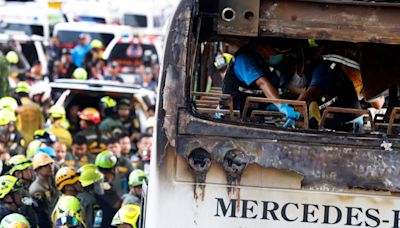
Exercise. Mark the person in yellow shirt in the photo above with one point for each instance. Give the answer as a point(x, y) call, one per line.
point(30, 117)
point(58, 124)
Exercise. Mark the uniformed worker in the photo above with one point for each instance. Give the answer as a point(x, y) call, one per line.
point(136, 180)
point(10, 196)
point(43, 189)
point(14, 141)
point(68, 213)
point(59, 125)
point(110, 122)
point(110, 202)
point(15, 220)
point(67, 181)
point(92, 182)
point(90, 118)
point(78, 156)
point(127, 216)
point(21, 168)
point(61, 152)
point(30, 118)
point(127, 116)
point(123, 167)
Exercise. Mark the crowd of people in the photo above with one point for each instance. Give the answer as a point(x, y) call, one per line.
point(61, 170)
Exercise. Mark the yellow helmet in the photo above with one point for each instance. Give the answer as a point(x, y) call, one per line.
point(96, 44)
point(57, 111)
point(8, 184)
point(80, 73)
point(14, 220)
point(8, 102)
point(127, 214)
point(89, 175)
point(7, 116)
point(66, 175)
point(18, 162)
point(41, 159)
point(68, 206)
point(22, 87)
point(12, 57)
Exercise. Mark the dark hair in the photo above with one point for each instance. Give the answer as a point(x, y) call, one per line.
point(113, 140)
point(123, 135)
point(145, 135)
point(79, 140)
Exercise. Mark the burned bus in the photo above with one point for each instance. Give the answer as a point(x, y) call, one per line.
point(217, 165)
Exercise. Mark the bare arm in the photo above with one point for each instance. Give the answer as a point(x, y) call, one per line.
point(311, 94)
point(269, 91)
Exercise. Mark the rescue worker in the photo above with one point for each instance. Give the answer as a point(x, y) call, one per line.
point(330, 86)
point(80, 74)
point(130, 122)
point(221, 63)
point(68, 213)
point(136, 180)
point(59, 125)
point(43, 189)
point(67, 181)
point(110, 202)
point(78, 156)
point(127, 216)
point(21, 168)
point(92, 182)
point(15, 220)
point(10, 196)
point(9, 103)
point(30, 118)
point(123, 167)
point(90, 118)
point(13, 60)
point(108, 107)
point(253, 73)
point(14, 141)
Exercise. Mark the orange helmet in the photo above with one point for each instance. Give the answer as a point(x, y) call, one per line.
point(90, 114)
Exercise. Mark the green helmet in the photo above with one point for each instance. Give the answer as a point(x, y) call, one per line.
point(8, 102)
point(22, 87)
point(106, 160)
point(136, 177)
point(96, 44)
point(8, 184)
point(107, 102)
point(80, 73)
point(68, 206)
point(18, 162)
point(89, 175)
point(12, 57)
point(14, 220)
point(7, 116)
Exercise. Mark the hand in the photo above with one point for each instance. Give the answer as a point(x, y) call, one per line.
point(290, 123)
point(289, 111)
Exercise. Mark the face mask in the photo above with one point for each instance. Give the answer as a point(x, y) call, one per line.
point(275, 59)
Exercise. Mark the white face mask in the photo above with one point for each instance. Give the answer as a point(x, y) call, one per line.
point(98, 187)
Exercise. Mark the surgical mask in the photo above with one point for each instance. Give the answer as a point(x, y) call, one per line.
point(275, 59)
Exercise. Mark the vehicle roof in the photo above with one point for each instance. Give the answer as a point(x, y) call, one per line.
point(100, 86)
point(92, 27)
point(19, 36)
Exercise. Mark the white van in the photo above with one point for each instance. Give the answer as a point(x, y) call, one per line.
point(86, 11)
point(69, 32)
point(36, 19)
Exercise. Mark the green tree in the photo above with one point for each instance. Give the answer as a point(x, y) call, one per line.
point(4, 85)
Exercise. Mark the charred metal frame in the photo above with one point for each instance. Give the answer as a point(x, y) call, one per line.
point(342, 161)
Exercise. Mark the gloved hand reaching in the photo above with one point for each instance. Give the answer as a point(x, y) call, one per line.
point(289, 111)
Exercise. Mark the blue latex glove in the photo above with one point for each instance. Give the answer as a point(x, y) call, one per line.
point(272, 107)
point(289, 111)
point(290, 123)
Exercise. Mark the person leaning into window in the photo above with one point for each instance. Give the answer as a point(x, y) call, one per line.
point(253, 73)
